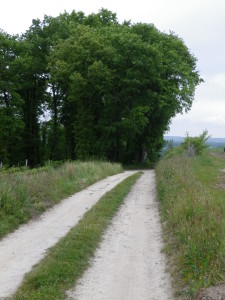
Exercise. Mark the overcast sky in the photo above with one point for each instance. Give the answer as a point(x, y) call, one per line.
point(200, 23)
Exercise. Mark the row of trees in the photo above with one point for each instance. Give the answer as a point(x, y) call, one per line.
point(76, 87)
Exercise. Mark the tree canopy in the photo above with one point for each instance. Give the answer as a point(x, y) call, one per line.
point(81, 87)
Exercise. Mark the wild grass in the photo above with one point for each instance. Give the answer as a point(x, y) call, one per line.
point(27, 194)
point(66, 262)
point(193, 206)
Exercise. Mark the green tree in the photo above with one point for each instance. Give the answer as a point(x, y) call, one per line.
point(33, 87)
point(11, 124)
point(79, 65)
point(123, 84)
point(109, 90)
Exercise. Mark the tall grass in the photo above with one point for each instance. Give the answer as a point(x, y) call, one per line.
point(24, 195)
point(193, 207)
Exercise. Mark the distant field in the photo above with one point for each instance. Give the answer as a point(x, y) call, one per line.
point(212, 142)
point(192, 193)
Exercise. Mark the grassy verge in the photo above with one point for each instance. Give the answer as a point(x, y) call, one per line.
point(192, 194)
point(66, 261)
point(26, 194)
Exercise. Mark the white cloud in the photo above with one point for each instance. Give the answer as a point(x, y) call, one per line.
point(218, 80)
point(216, 120)
point(207, 112)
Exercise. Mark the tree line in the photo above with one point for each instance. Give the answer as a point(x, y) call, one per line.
point(81, 87)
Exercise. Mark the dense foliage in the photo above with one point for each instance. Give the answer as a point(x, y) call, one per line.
point(76, 86)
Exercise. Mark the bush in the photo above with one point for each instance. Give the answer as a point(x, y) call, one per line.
point(196, 145)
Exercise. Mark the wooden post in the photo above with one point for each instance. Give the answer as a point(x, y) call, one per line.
point(26, 163)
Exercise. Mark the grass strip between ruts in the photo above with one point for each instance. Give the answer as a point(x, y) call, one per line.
point(70, 257)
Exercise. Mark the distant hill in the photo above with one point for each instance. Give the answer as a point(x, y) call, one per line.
point(212, 142)
point(216, 142)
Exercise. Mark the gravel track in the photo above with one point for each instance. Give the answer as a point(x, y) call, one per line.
point(129, 264)
point(25, 247)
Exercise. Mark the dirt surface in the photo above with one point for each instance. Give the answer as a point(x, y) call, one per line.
point(212, 293)
point(25, 247)
point(218, 154)
point(129, 264)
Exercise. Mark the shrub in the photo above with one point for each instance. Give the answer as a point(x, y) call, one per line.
point(196, 145)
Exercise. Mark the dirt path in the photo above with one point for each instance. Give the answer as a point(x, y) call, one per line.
point(129, 263)
point(25, 247)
